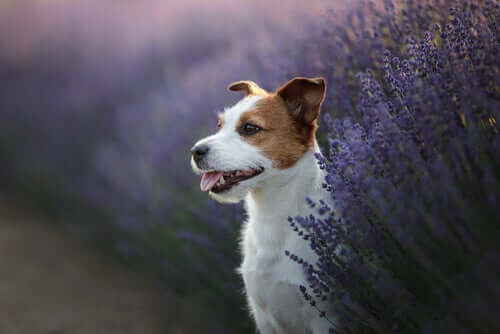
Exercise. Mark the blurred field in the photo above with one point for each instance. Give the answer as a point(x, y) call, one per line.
point(100, 103)
point(53, 283)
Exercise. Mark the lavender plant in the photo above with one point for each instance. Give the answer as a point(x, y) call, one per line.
point(409, 241)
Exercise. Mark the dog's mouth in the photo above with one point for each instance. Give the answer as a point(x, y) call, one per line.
point(218, 182)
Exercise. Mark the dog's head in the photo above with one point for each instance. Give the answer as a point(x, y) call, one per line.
point(259, 137)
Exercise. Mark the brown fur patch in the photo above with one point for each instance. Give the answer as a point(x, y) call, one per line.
point(282, 139)
point(220, 121)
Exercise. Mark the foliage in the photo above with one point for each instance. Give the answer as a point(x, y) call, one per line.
point(410, 239)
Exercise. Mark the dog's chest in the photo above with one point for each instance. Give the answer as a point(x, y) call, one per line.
point(272, 279)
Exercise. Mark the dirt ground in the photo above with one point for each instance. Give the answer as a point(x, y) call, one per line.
point(51, 283)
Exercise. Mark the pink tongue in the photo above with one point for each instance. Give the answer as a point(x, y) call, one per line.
point(209, 180)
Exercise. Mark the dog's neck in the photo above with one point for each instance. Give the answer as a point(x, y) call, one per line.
point(285, 194)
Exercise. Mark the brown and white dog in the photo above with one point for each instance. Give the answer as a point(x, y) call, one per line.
point(263, 153)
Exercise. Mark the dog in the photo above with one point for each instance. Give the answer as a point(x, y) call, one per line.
point(264, 153)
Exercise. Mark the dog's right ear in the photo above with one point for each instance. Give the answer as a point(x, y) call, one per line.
point(247, 87)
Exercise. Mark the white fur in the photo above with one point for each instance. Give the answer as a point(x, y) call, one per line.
point(229, 152)
point(271, 279)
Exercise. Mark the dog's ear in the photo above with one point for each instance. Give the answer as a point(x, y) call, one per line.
point(303, 97)
point(247, 87)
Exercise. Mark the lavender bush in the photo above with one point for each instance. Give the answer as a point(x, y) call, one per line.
point(409, 242)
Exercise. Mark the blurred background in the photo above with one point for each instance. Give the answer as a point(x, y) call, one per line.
point(103, 228)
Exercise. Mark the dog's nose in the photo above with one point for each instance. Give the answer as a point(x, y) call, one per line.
point(199, 151)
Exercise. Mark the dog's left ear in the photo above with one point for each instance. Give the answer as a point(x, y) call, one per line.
point(247, 87)
point(303, 97)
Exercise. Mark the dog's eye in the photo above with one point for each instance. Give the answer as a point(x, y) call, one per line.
point(219, 124)
point(249, 129)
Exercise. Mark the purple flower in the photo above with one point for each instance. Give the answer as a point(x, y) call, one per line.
point(410, 173)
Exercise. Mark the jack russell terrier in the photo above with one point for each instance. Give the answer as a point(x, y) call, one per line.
point(263, 153)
